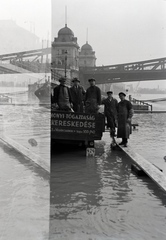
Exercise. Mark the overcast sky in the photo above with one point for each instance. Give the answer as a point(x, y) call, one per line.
point(118, 30)
point(29, 14)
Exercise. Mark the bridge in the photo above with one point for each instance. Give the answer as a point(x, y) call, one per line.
point(25, 62)
point(154, 69)
point(33, 62)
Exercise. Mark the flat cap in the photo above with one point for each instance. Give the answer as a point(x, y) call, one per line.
point(122, 93)
point(109, 92)
point(91, 79)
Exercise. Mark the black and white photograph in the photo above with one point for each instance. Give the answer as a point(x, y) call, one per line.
point(25, 59)
point(108, 129)
point(83, 119)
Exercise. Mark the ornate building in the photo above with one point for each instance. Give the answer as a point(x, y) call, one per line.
point(65, 46)
point(87, 56)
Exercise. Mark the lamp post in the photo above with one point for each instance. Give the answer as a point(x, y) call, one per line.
point(65, 62)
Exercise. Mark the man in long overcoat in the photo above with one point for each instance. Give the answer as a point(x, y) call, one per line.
point(110, 111)
point(125, 113)
point(78, 95)
point(92, 97)
point(62, 96)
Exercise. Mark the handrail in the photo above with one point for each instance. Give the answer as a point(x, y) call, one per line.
point(133, 100)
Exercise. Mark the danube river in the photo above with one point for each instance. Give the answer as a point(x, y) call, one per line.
point(91, 198)
point(101, 198)
point(24, 212)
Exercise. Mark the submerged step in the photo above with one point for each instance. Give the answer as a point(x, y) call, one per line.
point(152, 171)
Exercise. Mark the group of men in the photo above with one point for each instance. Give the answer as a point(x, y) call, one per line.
point(76, 99)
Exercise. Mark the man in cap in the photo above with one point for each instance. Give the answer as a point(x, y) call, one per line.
point(78, 95)
point(62, 96)
point(92, 97)
point(110, 111)
point(125, 113)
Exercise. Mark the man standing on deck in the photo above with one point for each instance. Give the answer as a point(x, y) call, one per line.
point(78, 95)
point(125, 113)
point(92, 97)
point(62, 96)
point(110, 111)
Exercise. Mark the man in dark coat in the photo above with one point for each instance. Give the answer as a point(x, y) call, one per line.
point(125, 113)
point(92, 97)
point(110, 111)
point(78, 95)
point(62, 96)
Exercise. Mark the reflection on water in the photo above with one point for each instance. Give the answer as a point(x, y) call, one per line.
point(24, 186)
point(22, 123)
point(150, 138)
point(100, 198)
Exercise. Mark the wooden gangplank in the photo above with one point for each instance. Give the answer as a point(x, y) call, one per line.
point(26, 152)
point(153, 172)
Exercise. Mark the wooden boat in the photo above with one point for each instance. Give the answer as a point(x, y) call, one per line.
point(5, 99)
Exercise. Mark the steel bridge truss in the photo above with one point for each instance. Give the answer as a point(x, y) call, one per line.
point(20, 62)
point(154, 69)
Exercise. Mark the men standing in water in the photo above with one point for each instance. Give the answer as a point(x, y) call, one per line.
point(125, 113)
point(78, 95)
point(110, 111)
point(92, 97)
point(62, 96)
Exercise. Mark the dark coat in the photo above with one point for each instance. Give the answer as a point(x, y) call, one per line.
point(125, 111)
point(77, 95)
point(92, 99)
point(93, 92)
point(55, 97)
point(110, 111)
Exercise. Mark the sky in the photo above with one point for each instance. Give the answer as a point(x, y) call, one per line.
point(33, 15)
point(119, 31)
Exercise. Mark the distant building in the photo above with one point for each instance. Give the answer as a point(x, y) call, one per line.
point(65, 46)
point(87, 56)
point(14, 38)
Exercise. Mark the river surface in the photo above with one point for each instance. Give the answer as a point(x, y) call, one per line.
point(24, 213)
point(101, 198)
point(91, 198)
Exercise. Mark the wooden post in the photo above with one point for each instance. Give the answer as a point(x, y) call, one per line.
point(1, 125)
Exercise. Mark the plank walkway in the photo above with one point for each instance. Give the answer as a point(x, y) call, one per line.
point(153, 172)
point(26, 152)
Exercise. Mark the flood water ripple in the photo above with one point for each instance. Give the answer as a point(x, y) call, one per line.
point(100, 198)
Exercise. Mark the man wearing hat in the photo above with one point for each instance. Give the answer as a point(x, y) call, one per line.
point(62, 96)
point(125, 113)
point(110, 111)
point(77, 95)
point(92, 97)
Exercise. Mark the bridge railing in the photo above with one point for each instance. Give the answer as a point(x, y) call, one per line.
point(140, 102)
point(148, 65)
point(35, 67)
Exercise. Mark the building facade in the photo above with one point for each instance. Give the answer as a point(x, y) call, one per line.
point(87, 56)
point(65, 50)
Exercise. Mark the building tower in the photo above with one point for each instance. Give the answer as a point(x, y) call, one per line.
point(65, 46)
point(87, 56)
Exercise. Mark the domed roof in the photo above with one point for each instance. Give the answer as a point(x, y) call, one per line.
point(86, 46)
point(65, 31)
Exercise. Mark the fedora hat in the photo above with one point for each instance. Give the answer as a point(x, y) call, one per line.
point(75, 80)
point(62, 79)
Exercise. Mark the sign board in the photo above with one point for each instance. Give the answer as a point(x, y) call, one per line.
point(76, 126)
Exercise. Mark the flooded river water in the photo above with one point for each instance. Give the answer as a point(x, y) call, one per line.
point(101, 198)
point(88, 198)
point(24, 212)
